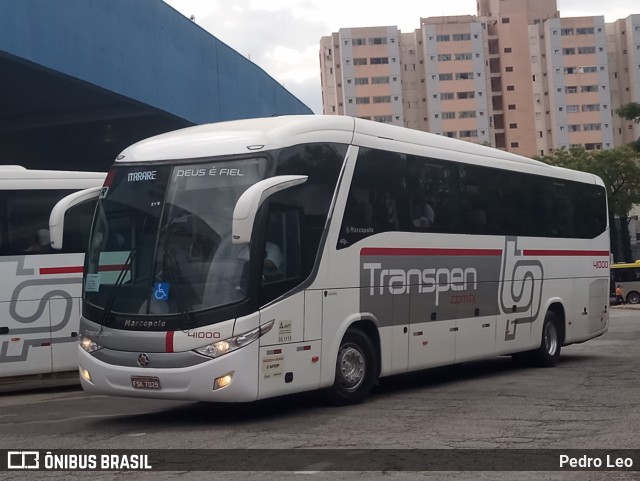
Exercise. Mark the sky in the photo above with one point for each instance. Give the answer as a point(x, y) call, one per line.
point(283, 36)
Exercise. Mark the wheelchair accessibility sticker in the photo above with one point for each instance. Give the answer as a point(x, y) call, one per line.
point(161, 291)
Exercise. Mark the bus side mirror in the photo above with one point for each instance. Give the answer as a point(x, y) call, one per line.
point(56, 219)
point(244, 213)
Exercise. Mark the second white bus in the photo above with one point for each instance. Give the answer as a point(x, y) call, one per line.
point(244, 260)
point(39, 286)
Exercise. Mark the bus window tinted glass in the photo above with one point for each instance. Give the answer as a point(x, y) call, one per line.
point(377, 197)
point(25, 219)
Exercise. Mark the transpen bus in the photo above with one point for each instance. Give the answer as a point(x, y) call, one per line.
point(248, 259)
point(40, 294)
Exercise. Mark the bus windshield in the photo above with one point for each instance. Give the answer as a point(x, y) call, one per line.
point(161, 240)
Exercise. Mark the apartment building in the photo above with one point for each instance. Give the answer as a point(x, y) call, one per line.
point(517, 76)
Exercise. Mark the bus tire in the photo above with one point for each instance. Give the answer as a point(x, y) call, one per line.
point(633, 298)
point(355, 369)
point(548, 353)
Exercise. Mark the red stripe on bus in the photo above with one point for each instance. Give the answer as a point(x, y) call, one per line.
point(416, 251)
point(62, 270)
point(563, 253)
point(168, 342)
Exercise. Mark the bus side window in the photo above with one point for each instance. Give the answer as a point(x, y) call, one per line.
point(27, 218)
point(376, 201)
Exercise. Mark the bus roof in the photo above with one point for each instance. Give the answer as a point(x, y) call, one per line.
point(244, 136)
point(16, 177)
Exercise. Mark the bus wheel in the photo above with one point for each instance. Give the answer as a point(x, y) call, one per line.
point(355, 374)
point(633, 298)
point(548, 353)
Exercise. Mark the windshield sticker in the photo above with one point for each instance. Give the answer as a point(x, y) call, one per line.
point(161, 291)
point(139, 176)
point(92, 283)
point(211, 172)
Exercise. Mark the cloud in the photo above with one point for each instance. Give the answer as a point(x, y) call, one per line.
point(283, 36)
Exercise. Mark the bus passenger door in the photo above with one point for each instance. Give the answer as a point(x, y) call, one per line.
point(432, 333)
point(476, 335)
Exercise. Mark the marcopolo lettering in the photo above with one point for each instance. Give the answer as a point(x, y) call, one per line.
point(401, 281)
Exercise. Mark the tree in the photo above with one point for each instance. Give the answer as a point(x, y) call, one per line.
point(619, 169)
point(630, 111)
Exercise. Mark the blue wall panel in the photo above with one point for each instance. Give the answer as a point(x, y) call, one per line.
point(144, 50)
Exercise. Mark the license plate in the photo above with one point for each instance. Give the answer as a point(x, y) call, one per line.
point(145, 382)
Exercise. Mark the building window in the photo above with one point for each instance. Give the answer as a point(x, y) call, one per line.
point(467, 114)
point(359, 61)
point(571, 89)
point(448, 115)
point(379, 60)
point(507, 50)
point(588, 88)
point(358, 41)
point(513, 126)
point(442, 38)
point(465, 134)
point(585, 31)
point(595, 146)
point(590, 108)
point(566, 31)
point(464, 75)
point(463, 56)
point(383, 118)
point(586, 50)
point(379, 80)
point(508, 69)
point(573, 128)
point(446, 96)
point(511, 106)
point(571, 109)
point(569, 51)
point(444, 57)
point(466, 95)
point(505, 20)
point(378, 41)
point(451, 135)
point(457, 37)
point(362, 81)
point(511, 88)
point(445, 76)
point(382, 99)
point(515, 144)
point(591, 127)
point(362, 100)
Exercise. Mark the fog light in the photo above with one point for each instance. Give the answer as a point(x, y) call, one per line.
point(86, 375)
point(222, 381)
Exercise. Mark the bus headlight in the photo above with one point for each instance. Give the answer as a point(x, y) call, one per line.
point(89, 345)
point(219, 348)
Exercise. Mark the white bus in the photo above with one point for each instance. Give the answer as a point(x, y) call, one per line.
point(243, 260)
point(40, 294)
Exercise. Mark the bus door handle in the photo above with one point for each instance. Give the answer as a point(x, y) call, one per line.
point(4, 330)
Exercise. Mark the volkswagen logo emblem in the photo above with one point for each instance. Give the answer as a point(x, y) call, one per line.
point(143, 359)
